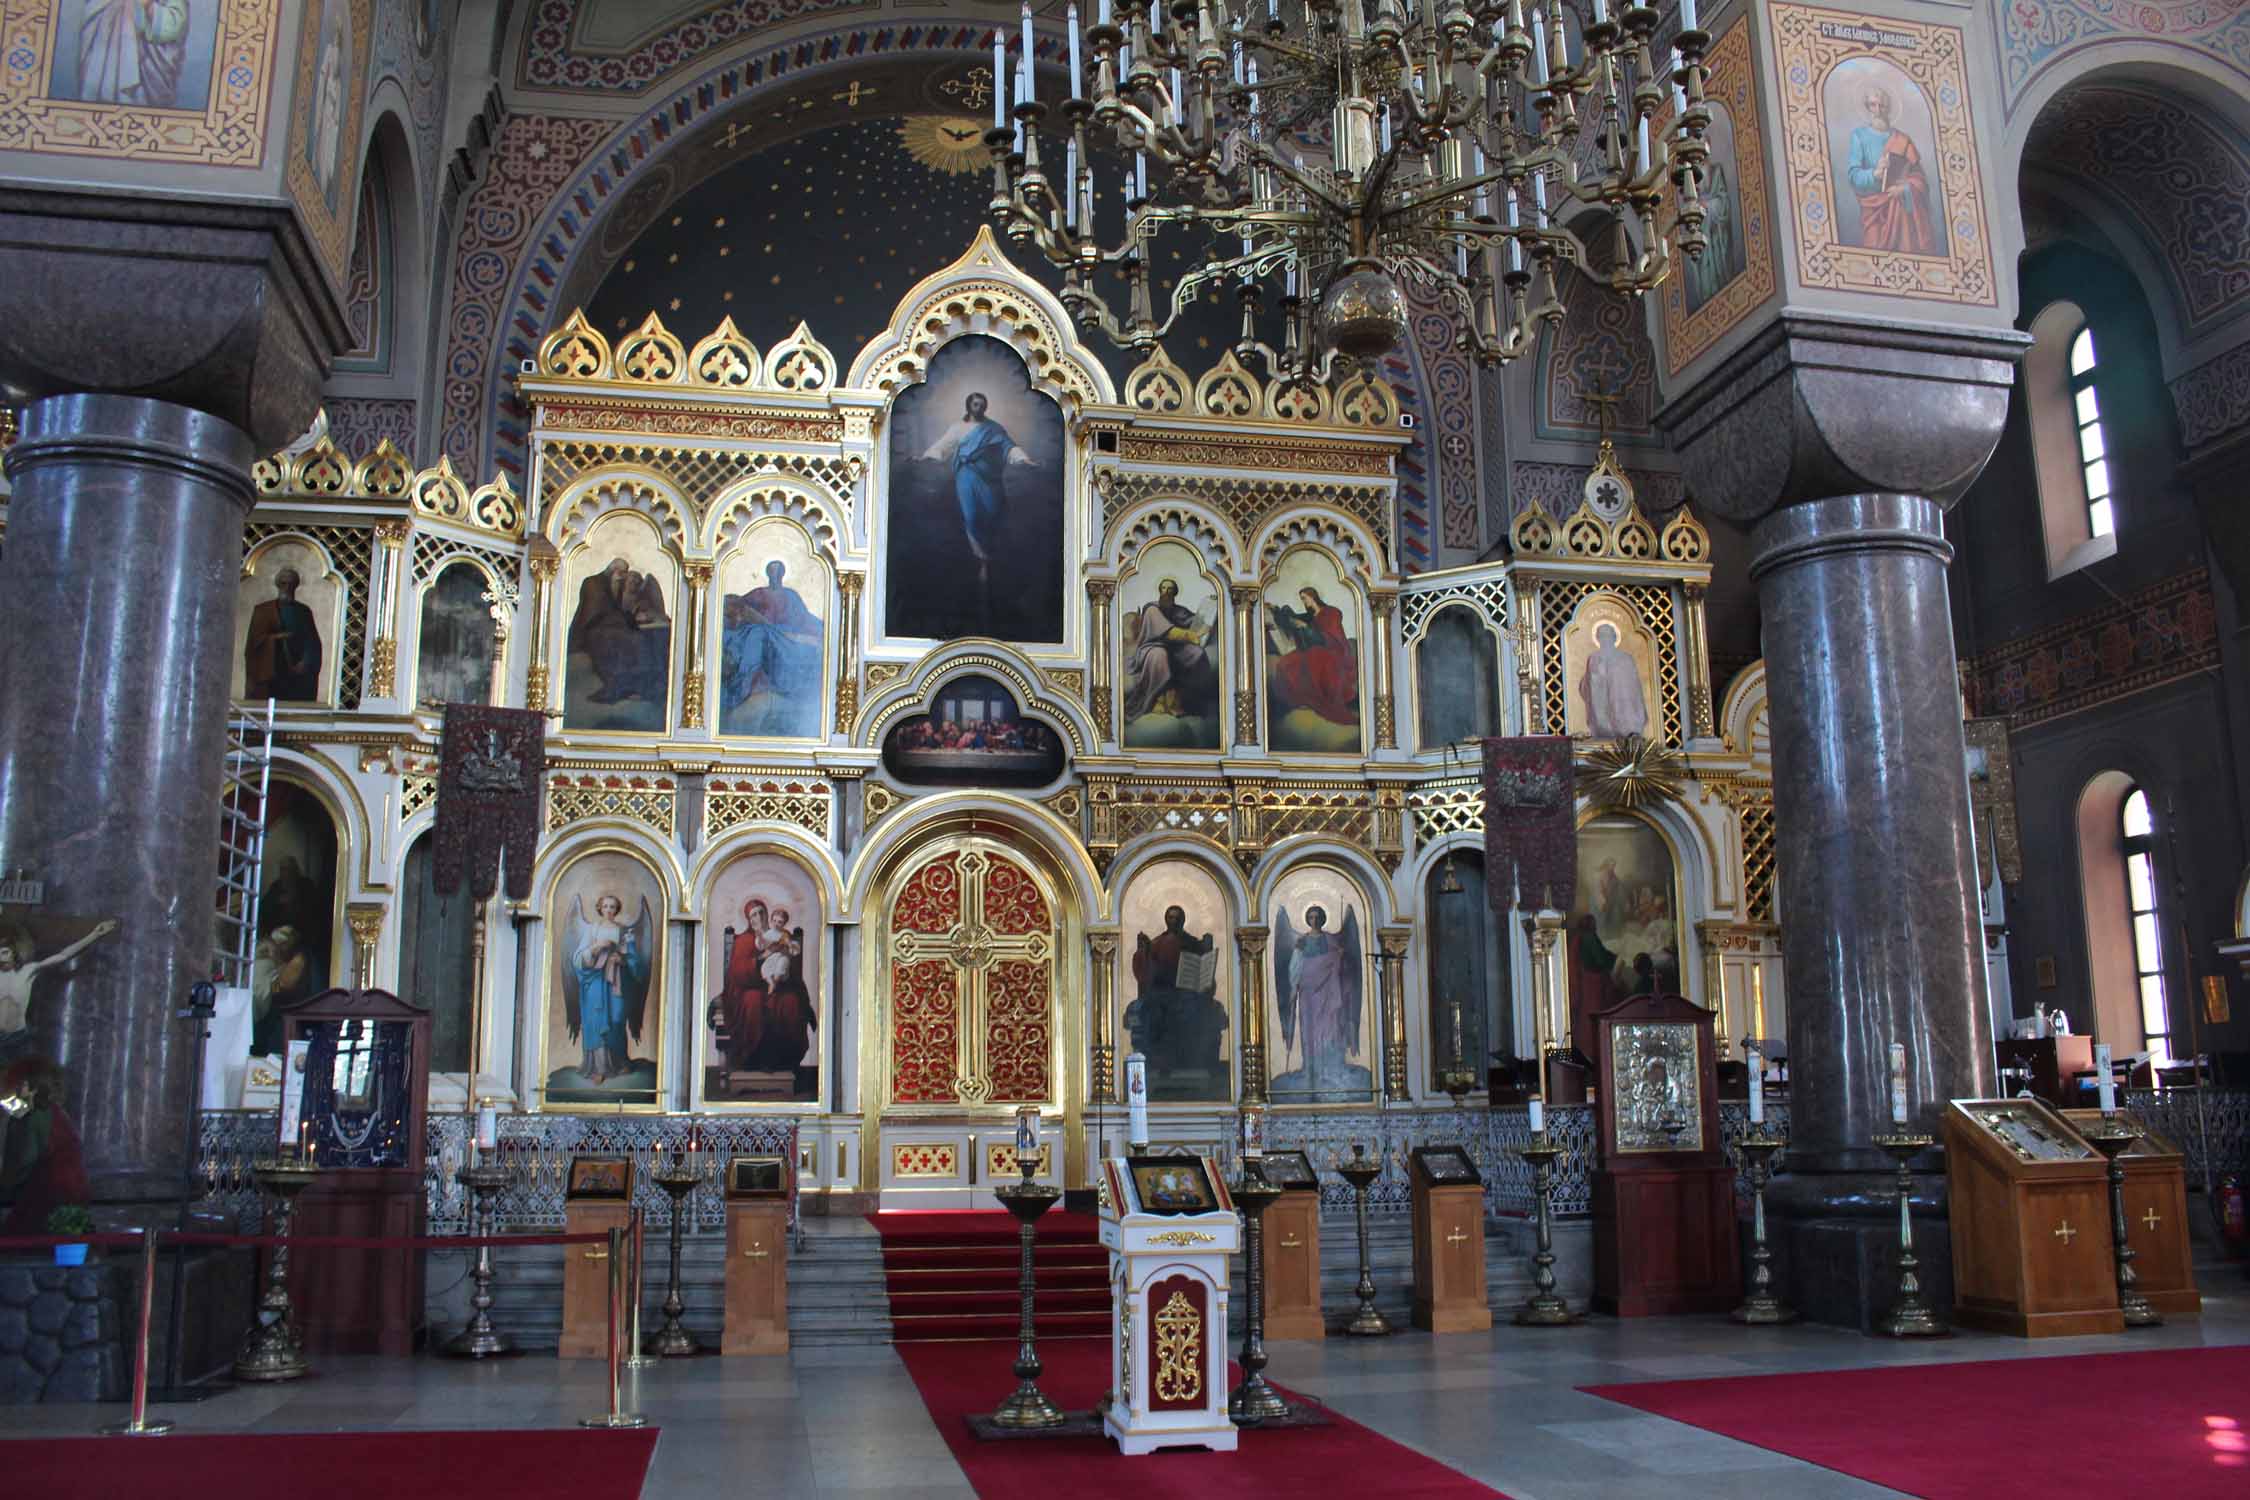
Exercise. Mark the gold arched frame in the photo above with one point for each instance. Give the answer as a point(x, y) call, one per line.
point(1420, 641)
point(1195, 856)
point(1362, 614)
point(334, 623)
point(563, 604)
point(1682, 925)
point(754, 844)
point(339, 930)
point(503, 638)
point(660, 1047)
point(1375, 897)
point(714, 643)
point(1215, 577)
point(1071, 976)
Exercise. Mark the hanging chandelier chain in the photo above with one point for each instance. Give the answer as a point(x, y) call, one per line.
point(1344, 141)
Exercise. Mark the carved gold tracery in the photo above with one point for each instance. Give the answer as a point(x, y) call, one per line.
point(971, 954)
point(1179, 1352)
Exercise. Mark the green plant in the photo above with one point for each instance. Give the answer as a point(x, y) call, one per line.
point(71, 1218)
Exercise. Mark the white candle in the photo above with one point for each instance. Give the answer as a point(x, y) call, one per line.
point(1538, 48)
point(1289, 279)
point(1679, 90)
point(1757, 1085)
point(2104, 1079)
point(1027, 49)
point(1077, 65)
point(1687, 15)
point(1515, 250)
point(1538, 1117)
point(999, 80)
point(488, 1127)
point(1386, 131)
point(1898, 1083)
point(1601, 11)
point(1140, 176)
point(1101, 16)
point(1539, 195)
point(1070, 184)
point(1176, 91)
point(1136, 1100)
point(1643, 142)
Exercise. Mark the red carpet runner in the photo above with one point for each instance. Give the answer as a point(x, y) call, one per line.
point(953, 1275)
point(1343, 1458)
point(2169, 1422)
point(502, 1464)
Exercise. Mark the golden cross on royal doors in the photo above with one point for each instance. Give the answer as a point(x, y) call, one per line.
point(972, 947)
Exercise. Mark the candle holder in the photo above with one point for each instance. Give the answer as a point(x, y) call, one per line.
point(1361, 1173)
point(271, 1351)
point(480, 1340)
point(2112, 1141)
point(1027, 1406)
point(678, 1179)
point(1910, 1316)
point(1254, 1401)
point(1759, 1304)
point(1458, 1083)
point(1544, 1308)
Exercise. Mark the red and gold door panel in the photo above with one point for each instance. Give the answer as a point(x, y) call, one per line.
point(971, 946)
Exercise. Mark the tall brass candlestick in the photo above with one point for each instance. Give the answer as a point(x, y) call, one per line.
point(2113, 1140)
point(678, 1179)
point(272, 1351)
point(1910, 1316)
point(1759, 1304)
point(1361, 1173)
point(1544, 1308)
point(1027, 1406)
point(479, 1339)
point(1254, 1401)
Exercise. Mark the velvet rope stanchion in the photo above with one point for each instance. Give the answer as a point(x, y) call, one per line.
point(638, 1357)
point(616, 1416)
point(139, 1425)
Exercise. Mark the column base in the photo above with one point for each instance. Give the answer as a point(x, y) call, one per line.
point(1844, 1271)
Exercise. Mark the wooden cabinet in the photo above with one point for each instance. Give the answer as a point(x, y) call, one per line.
point(1450, 1295)
point(2156, 1223)
point(1663, 1193)
point(1292, 1258)
point(2029, 1214)
point(757, 1313)
point(585, 1320)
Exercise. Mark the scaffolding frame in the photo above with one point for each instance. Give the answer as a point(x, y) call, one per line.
point(242, 840)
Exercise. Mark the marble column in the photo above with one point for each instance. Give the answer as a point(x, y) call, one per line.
point(117, 603)
point(1878, 886)
point(1839, 443)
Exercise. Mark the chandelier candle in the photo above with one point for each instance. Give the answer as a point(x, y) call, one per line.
point(1898, 1083)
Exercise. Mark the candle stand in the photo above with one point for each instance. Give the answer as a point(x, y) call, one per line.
point(1361, 1173)
point(1027, 1406)
point(1910, 1316)
point(2112, 1141)
point(678, 1179)
point(271, 1352)
point(1254, 1401)
point(479, 1339)
point(1544, 1308)
point(1759, 1304)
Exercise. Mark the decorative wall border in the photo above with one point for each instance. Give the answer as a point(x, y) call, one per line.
point(2165, 632)
point(2034, 35)
point(1808, 43)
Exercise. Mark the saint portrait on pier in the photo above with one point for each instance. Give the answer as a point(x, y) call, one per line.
point(761, 1020)
point(1320, 1036)
point(1171, 613)
point(605, 983)
point(1609, 669)
point(1311, 618)
point(974, 542)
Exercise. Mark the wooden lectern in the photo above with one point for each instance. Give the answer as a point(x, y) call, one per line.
point(2156, 1223)
point(1664, 1227)
point(1292, 1251)
point(597, 1199)
point(1450, 1295)
point(2029, 1211)
point(363, 1100)
point(1170, 1228)
point(757, 1278)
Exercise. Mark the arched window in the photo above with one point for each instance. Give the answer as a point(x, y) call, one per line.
point(2086, 412)
point(2070, 452)
point(2139, 848)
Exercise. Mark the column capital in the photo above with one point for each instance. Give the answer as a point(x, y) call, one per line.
point(1101, 590)
point(1818, 405)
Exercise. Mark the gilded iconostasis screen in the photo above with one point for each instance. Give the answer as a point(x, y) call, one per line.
point(453, 663)
point(975, 520)
point(289, 624)
point(1457, 679)
point(761, 1034)
point(1176, 963)
point(1321, 1041)
point(605, 984)
point(1609, 665)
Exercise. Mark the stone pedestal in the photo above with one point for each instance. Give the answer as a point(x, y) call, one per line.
point(64, 1331)
point(117, 604)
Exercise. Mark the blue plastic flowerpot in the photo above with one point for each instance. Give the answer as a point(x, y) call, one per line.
point(70, 1255)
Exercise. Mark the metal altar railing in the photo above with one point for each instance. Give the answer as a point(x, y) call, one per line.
point(537, 1148)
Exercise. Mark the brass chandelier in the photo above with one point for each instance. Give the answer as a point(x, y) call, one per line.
point(1349, 150)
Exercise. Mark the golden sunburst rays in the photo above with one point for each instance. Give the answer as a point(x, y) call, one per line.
point(1629, 772)
point(953, 144)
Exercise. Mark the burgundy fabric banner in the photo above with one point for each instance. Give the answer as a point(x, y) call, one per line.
point(1530, 822)
point(488, 798)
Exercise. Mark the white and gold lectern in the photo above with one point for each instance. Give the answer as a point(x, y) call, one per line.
point(1170, 1227)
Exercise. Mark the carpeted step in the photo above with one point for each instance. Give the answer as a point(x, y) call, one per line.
point(1006, 1303)
point(922, 1327)
point(1092, 1278)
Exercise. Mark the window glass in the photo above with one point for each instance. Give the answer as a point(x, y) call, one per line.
point(2082, 352)
point(2137, 823)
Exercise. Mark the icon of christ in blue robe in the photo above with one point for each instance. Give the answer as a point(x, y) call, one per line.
point(979, 450)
